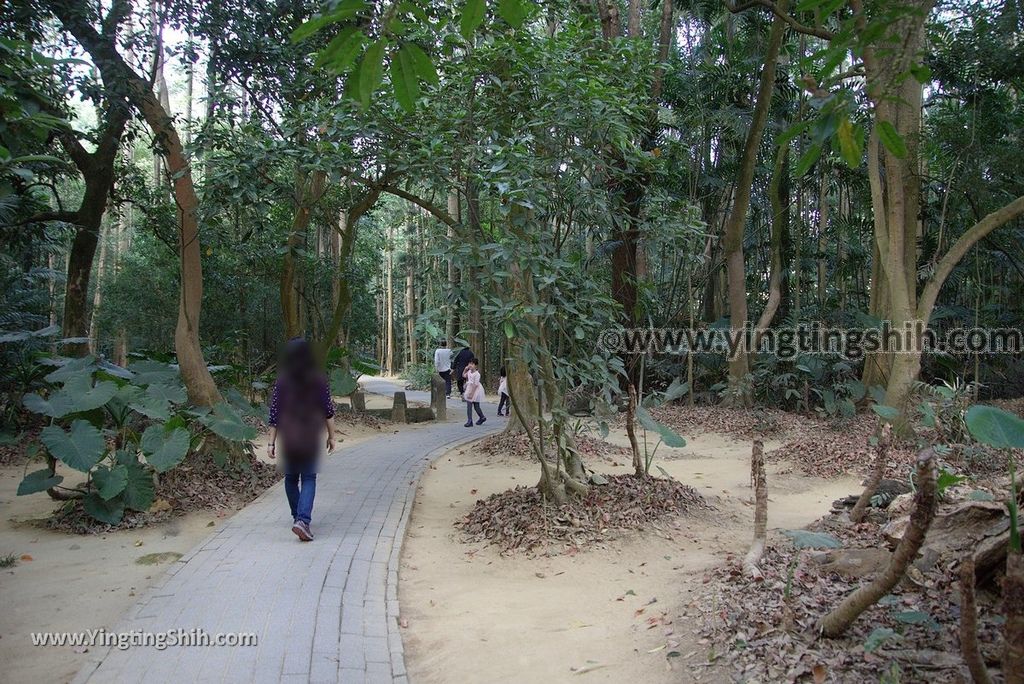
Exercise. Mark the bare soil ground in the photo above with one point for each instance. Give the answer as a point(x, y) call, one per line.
point(613, 609)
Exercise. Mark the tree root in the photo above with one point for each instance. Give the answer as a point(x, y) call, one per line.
point(877, 473)
point(925, 501)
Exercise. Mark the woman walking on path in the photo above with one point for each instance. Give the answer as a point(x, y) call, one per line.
point(300, 406)
point(474, 393)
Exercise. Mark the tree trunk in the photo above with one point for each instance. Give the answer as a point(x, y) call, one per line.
point(451, 322)
point(822, 242)
point(925, 500)
point(97, 294)
point(97, 169)
point(779, 216)
point(389, 305)
point(410, 306)
point(634, 447)
point(309, 188)
point(736, 223)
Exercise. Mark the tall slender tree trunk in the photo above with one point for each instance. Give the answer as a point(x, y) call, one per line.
point(736, 223)
point(410, 304)
point(451, 322)
point(309, 188)
point(97, 294)
point(822, 241)
point(389, 305)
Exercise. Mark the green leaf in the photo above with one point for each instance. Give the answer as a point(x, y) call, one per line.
point(598, 479)
point(921, 73)
point(891, 139)
point(512, 11)
point(110, 481)
point(677, 389)
point(371, 71)
point(995, 427)
point(81, 449)
point(472, 16)
point(345, 10)
point(849, 145)
point(509, 328)
point(38, 481)
point(85, 396)
point(164, 449)
point(153, 372)
point(139, 492)
point(109, 512)
point(807, 159)
point(805, 539)
point(422, 63)
point(174, 394)
point(342, 383)
point(980, 495)
point(404, 81)
point(668, 436)
point(151, 407)
point(57, 406)
point(878, 637)
point(946, 480)
point(342, 51)
point(226, 423)
point(913, 617)
point(886, 413)
point(83, 366)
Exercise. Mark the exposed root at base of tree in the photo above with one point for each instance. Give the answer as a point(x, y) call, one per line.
point(520, 519)
point(192, 486)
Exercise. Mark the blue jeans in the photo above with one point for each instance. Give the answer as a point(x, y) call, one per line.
point(300, 498)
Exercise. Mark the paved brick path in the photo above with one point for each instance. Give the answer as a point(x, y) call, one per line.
point(326, 611)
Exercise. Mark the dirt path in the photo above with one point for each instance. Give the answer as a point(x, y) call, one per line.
point(611, 614)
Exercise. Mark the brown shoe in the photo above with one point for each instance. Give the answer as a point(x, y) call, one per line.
point(302, 531)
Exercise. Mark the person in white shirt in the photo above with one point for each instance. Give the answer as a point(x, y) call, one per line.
point(503, 401)
point(443, 365)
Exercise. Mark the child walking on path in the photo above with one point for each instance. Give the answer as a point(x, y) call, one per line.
point(503, 400)
point(474, 393)
point(300, 407)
